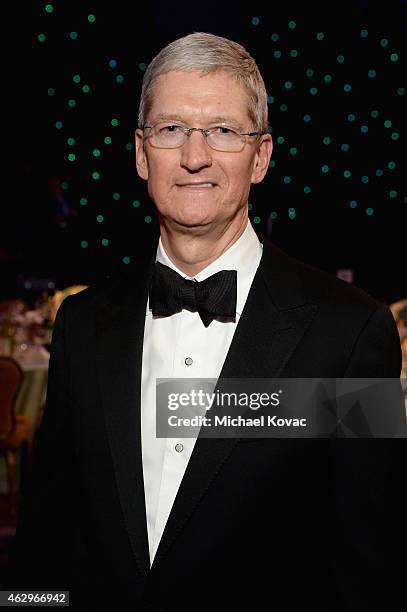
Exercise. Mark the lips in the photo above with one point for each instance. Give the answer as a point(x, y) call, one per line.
point(200, 185)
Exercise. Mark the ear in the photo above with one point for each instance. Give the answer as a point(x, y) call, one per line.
point(262, 158)
point(141, 158)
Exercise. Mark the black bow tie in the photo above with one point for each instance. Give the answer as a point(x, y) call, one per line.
point(213, 297)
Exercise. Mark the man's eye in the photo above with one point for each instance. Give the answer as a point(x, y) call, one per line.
point(169, 129)
point(224, 131)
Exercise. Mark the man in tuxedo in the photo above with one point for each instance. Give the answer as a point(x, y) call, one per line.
point(130, 521)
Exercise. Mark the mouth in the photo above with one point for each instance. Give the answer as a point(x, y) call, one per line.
point(196, 186)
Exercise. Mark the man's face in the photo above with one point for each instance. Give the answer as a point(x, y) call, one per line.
point(195, 186)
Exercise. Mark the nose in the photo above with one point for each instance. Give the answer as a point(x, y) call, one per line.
point(195, 153)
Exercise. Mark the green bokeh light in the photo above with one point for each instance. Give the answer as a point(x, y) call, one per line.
point(379, 172)
point(288, 84)
point(85, 88)
point(387, 123)
point(70, 141)
point(73, 35)
point(71, 103)
point(270, 99)
point(353, 204)
point(394, 57)
point(136, 203)
point(293, 150)
point(257, 219)
point(142, 66)
point(76, 78)
point(347, 87)
point(307, 118)
point(114, 122)
point(96, 175)
point(41, 37)
point(255, 21)
point(369, 211)
point(364, 129)
point(275, 37)
point(384, 42)
point(96, 152)
point(71, 157)
point(287, 180)
point(51, 91)
point(328, 78)
point(126, 260)
point(307, 189)
point(147, 219)
point(374, 114)
point(393, 193)
point(105, 242)
point(277, 54)
point(340, 59)
point(280, 139)
point(345, 146)
point(313, 91)
point(273, 214)
point(320, 36)
point(293, 52)
point(83, 201)
point(100, 218)
point(272, 163)
point(401, 91)
point(351, 117)
point(371, 73)
point(84, 244)
point(325, 168)
point(49, 8)
point(326, 140)
point(283, 107)
point(64, 185)
point(129, 146)
point(119, 78)
point(391, 165)
point(91, 18)
point(107, 140)
point(292, 25)
point(116, 196)
point(395, 136)
point(309, 72)
point(59, 125)
point(364, 33)
point(347, 173)
point(364, 179)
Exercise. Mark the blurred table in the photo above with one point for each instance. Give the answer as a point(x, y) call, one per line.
point(34, 361)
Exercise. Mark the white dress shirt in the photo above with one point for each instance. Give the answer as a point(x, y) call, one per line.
point(168, 342)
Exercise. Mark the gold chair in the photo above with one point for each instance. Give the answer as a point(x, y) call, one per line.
point(15, 430)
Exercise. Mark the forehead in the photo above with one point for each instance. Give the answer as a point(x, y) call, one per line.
point(198, 96)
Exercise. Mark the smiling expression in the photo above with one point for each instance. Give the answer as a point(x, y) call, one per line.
point(194, 185)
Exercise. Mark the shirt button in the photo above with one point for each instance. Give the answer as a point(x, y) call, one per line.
point(179, 447)
point(189, 361)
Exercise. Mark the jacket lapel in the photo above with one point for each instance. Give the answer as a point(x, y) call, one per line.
point(120, 332)
point(273, 321)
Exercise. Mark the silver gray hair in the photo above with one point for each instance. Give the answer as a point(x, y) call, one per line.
point(208, 53)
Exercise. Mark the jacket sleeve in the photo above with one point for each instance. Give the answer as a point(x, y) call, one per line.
point(40, 557)
point(368, 477)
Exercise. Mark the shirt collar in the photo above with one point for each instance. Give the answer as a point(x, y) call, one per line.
point(243, 256)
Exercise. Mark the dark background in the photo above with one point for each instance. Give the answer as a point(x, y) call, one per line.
point(50, 239)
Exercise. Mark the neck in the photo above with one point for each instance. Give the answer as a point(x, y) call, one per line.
point(193, 251)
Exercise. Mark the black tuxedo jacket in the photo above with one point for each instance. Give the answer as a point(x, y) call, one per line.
point(258, 524)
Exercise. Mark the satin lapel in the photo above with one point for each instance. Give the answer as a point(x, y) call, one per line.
point(120, 332)
point(273, 321)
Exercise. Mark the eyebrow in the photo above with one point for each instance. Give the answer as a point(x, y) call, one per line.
point(218, 119)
